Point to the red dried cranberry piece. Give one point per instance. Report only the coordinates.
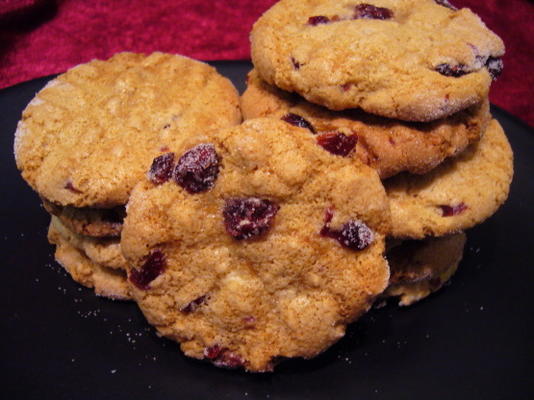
(299, 121)
(194, 305)
(494, 66)
(245, 218)
(70, 186)
(222, 357)
(318, 19)
(198, 168)
(368, 11)
(296, 64)
(249, 321)
(445, 3)
(161, 169)
(449, 211)
(337, 143)
(153, 266)
(452, 70)
(213, 352)
(354, 235)
(229, 360)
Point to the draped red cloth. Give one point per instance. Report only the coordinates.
(42, 37)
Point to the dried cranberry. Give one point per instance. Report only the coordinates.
(337, 143)
(198, 168)
(222, 357)
(494, 66)
(452, 70)
(299, 121)
(70, 186)
(245, 218)
(445, 3)
(228, 360)
(368, 11)
(213, 352)
(249, 321)
(161, 169)
(318, 19)
(153, 266)
(449, 211)
(194, 305)
(354, 235)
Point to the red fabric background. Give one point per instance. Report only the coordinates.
(41, 37)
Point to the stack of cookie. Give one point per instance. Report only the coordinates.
(402, 86)
(85, 141)
(367, 129)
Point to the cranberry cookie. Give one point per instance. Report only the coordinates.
(415, 60)
(254, 243)
(458, 194)
(389, 146)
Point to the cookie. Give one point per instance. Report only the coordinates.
(389, 146)
(415, 60)
(421, 267)
(87, 221)
(458, 194)
(103, 251)
(255, 243)
(88, 137)
(106, 282)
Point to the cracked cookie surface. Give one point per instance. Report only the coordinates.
(280, 249)
(417, 61)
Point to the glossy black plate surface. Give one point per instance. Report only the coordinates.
(472, 340)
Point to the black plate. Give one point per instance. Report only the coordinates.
(472, 340)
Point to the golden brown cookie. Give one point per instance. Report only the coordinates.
(254, 243)
(421, 267)
(389, 146)
(107, 282)
(88, 137)
(415, 60)
(458, 194)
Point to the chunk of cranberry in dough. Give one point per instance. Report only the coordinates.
(153, 266)
(354, 235)
(368, 11)
(297, 120)
(449, 211)
(451, 70)
(161, 169)
(317, 20)
(245, 218)
(194, 305)
(337, 143)
(198, 168)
